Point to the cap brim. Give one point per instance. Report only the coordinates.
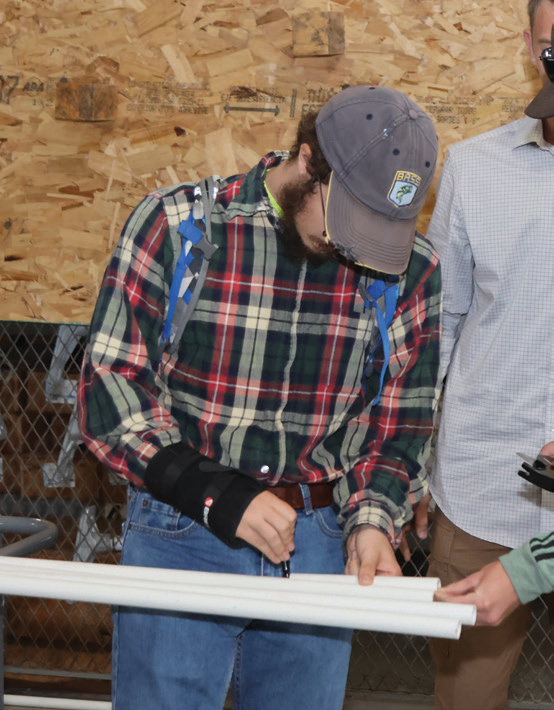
(542, 106)
(366, 237)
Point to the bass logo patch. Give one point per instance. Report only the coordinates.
(404, 188)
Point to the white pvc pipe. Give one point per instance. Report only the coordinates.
(381, 581)
(282, 591)
(334, 584)
(200, 603)
(29, 701)
(113, 586)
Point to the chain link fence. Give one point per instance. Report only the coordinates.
(46, 472)
(401, 664)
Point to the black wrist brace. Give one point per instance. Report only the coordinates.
(215, 496)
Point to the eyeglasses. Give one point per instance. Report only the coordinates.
(322, 205)
(548, 60)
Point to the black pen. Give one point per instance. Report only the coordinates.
(285, 569)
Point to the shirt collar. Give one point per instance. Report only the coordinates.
(529, 131)
(252, 196)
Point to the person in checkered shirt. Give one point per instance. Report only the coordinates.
(288, 427)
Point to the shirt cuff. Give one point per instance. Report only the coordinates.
(525, 574)
(371, 513)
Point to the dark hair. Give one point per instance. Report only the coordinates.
(532, 7)
(306, 133)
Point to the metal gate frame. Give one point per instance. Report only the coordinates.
(40, 534)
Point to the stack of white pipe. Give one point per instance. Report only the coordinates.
(392, 604)
(37, 701)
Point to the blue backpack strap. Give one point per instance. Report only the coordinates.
(384, 318)
(192, 265)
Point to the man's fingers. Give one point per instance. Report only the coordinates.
(370, 553)
(422, 528)
(266, 540)
(352, 563)
(419, 524)
(367, 570)
(421, 518)
(548, 449)
(490, 589)
(404, 549)
(268, 524)
(447, 594)
(460, 588)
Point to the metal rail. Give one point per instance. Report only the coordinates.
(41, 534)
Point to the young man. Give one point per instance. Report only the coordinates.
(527, 572)
(492, 228)
(289, 423)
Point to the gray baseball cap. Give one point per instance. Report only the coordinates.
(382, 150)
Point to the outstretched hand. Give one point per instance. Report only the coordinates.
(490, 589)
(370, 553)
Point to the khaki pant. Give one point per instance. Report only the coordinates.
(472, 673)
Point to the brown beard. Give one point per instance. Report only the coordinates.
(292, 200)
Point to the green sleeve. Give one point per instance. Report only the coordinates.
(531, 567)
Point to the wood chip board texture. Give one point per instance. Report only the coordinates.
(207, 87)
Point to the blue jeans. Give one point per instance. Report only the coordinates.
(174, 661)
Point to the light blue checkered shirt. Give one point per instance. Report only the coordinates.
(493, 228)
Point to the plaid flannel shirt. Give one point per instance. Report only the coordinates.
(268, 374)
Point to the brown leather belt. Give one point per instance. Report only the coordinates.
(320, 493)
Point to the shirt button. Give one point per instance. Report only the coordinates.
(264, 469)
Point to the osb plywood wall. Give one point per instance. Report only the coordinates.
(102, 101)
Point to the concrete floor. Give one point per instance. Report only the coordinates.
(383, 701)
